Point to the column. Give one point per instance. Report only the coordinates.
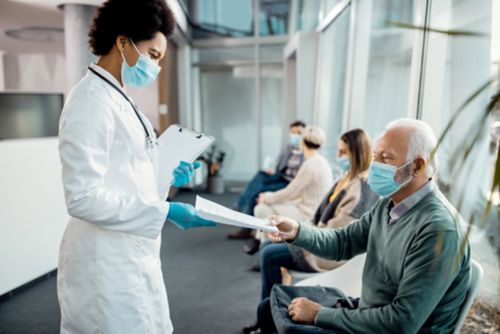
(77, 20)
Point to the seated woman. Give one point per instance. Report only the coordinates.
(289, 162)
(303, 194)
(348, 200)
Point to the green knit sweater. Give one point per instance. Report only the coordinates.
(414, 279)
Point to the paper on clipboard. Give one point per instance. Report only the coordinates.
(217, 213)
(174, 145)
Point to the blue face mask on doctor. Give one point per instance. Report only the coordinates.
(381, 177)
(142, 73)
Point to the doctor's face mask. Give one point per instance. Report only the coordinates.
(142, 73)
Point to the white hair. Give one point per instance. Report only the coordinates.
(422, 142)
(314, 134)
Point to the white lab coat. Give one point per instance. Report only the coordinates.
(109, 277)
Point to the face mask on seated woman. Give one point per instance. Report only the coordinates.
(344, 163)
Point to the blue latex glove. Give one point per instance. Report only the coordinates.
(184, 172)
(184, 216)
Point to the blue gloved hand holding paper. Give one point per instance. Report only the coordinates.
(185, 217)
(184, 172)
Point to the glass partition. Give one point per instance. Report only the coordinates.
(273, 17)
(224, 54)
(456, 66)
(382, 65)
(228, 114)
(271, 109)
(330, 87)
(222, 18)
(308, 12)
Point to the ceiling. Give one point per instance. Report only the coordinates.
(18, 14)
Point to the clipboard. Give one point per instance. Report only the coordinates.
(176, 144)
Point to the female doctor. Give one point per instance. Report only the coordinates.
(110, 278)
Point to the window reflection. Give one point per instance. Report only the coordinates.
(273, 17)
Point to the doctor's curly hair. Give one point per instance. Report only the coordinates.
(139, 20)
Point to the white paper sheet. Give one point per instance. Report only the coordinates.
(220, 214)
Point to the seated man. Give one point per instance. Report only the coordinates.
(417, 270)
(289, 162)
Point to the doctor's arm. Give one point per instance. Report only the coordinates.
(85, 138)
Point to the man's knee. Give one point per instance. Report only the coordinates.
(260, 177)
(265, 256)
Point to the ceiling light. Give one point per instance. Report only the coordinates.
(37, 34)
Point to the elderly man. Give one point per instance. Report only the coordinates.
(416, 273)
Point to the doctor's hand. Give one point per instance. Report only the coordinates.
(184, 172)
(184, 216)
(288, 228)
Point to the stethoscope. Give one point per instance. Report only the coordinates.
(149, 139)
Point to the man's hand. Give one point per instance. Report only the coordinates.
(303, 310)
(288, 228)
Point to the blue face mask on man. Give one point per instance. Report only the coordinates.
(143, 73)
(344, 163)
(295, 139)
(381, 178)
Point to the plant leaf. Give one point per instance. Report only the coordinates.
(448, 32)
(453, 119)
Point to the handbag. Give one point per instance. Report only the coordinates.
(282, 296)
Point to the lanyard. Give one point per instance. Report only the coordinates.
(149, 138)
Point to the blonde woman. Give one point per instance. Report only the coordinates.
(303, 194)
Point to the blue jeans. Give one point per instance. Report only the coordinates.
(261, 182)
(265, 317)
(272, 257)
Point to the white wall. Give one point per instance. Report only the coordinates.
(32, 211)
(35, 72)
(148, 101)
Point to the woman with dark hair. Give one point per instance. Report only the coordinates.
(109, 277)
(349, 198)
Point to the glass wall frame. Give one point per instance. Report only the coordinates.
(437, 73)
(259, 59)
(453, 69)
(331, 76)
(384, 64)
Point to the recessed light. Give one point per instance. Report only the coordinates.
(37, 34)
